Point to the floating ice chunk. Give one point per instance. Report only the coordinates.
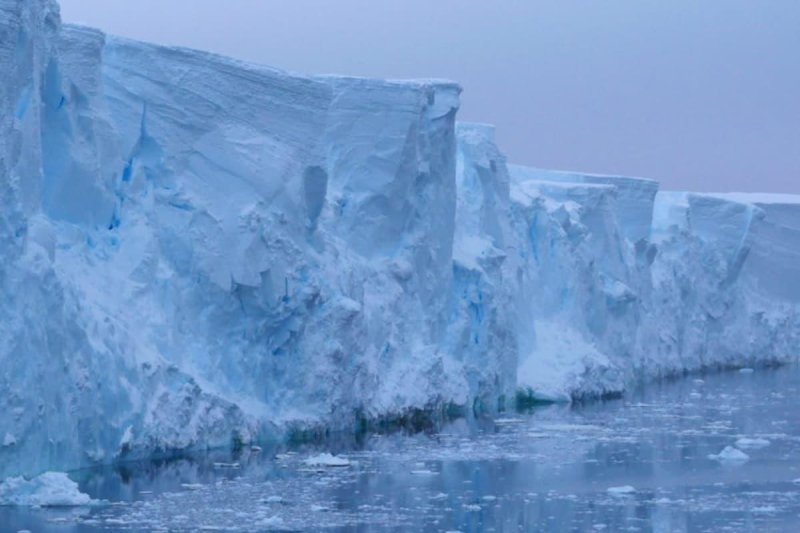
(623, 490)
(232, 466)
(326, 459)
(52, 489)
(9, 440)
(730, 455)
(746, 443)
(746, 371)
(509, 421)
(765, 509)
(272, 521)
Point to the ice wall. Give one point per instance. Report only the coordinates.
(707, 287)
(200, 252)
(204, 253)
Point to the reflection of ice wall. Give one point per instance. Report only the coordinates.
(202, 252)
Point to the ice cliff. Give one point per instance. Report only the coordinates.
(199, 252)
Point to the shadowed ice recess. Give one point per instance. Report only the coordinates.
(200, 253)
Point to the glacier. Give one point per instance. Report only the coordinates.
(200, 253)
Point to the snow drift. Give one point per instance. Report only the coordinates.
(199, 252)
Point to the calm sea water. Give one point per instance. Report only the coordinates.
(643, 463)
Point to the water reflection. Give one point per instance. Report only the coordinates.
(648, 462)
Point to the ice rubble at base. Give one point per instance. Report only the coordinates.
(199, 252)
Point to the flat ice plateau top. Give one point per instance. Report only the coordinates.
(199, 252)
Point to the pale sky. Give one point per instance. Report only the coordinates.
(699, 94)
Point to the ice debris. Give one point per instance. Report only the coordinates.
(623, 490)
(51, 489)
(327, 460)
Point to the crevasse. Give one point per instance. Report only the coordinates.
(200, 252)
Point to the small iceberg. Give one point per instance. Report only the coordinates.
(746, 443)
(227, 466)
(730, 455)
(52, 489)
(624, 490)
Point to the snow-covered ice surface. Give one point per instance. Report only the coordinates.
(638, 464)
(200, 253)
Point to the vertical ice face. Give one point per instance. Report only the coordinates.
(772, 244)
(709, 292)
(79, 157)
(228, 248)
(200, 252)
(27, 31)
(705, 286)
(484, 317)
(390, 150)
(579, 289)
(75, 380)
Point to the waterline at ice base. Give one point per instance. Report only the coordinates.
(200, 253)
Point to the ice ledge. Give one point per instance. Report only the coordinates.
(191, 55)
(760, 198)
